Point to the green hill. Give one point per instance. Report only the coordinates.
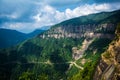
(9, 38)
(98, 18)
(63, 52)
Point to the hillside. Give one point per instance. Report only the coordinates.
(104, 22)
(9, 38)
(35, 32)
(69, 50)
(109, 66)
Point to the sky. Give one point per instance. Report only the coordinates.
(28, 15)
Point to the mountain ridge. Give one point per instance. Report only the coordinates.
(60, 44)
(91, 16)
(9, 38)
(104, 22)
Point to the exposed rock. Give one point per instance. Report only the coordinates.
(88, 30)
(83, 61)
(78, 53)
(109, 65)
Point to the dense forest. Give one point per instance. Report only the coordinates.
(51, 58)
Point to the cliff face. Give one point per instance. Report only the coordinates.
(109, 65)
(88, 30)
(45, 57)
(101, 25)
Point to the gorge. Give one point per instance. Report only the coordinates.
(82, 48)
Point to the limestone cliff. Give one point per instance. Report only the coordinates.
(87, 30)
(109, 65)
(100, 25)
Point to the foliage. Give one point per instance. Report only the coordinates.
(103, 17)
(118, 31)
(47, 59)
(28, 53)
(92, 59)
(98, 46)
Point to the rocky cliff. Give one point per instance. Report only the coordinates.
(69, 50)
(88, 30)
(93, 25)
(109, 65)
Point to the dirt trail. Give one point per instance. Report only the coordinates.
(76, 65)
(47, 62)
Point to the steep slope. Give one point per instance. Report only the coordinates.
(109, 66)
(61, 52)
(99, 18)
(89, 25)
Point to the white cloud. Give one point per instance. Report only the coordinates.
(11, 16)
(20, 26)
(86, 9)
(48, 15)
(60, 16)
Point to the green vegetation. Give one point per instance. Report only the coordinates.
(72, 71)
(49, 58)
(58, 52)
(86, 73)
(118, 31)
(9, 38)
(103, 17)
(92, 58)
(32, 57)
(97, 47)
(107, 55)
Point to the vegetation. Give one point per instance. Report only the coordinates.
(57, 54)
(92, 59)
(32, 57)
(49, 58)
(99, 18)
(118, 30)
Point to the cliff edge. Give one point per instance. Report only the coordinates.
(109, 65)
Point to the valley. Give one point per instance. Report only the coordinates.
(75, 49)
(10, 38)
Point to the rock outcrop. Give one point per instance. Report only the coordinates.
(109, 65)
(78, 53)
(88, 30)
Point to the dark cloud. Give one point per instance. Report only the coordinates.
(16, 11)
(106, 1)
(19, 14)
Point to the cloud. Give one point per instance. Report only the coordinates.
(86, 9)
(27, 15)
(17, 10)
(20, 26)
(47, 15)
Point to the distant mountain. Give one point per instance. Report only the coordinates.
(45, 27)
(35, 32)
(70, 50)
(10, 38)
